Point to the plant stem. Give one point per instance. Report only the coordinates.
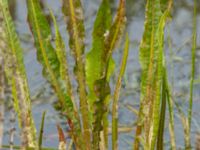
(2, 86)
(160, 139)
(194, 34)
(116, 96)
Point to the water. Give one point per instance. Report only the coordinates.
(178, 60)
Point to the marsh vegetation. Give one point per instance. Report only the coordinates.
(105, 89)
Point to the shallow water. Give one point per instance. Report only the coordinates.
(178, 60)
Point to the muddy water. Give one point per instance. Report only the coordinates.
(178, 57)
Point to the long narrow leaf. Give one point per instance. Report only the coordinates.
(94, 60)
(41, 130)
(116, 96)
(150, 63)
(160, 139)
(171, 117)
(73, 11)
(194, 45)
(3, 47)
(102, 85)
(15, 72)
(47, 56)
(60, 51)
(151, 59)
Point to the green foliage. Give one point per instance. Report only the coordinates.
(61, 54)
(73, 10)
(160, 139)
(116, 96)
(41, 131)
(151, 59)
(94, 59)
(194, 46)
(16, 75)
(52, 60)
(88, 122)
(2, 77)
(187, 125)
(99, 84)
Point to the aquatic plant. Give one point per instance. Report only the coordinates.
(88, 123)
(2, 78)
(16, 75)
(153, 84)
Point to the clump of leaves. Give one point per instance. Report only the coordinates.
(92, 121)
(93, 71)
(153, 81)
(88, 122)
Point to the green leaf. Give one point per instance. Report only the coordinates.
(193, 70)
(52, 68)
(41, 130)
(160, 139)
(74, 13)
(61, 54)
(101, 86)
(115, 31)
(115, 105)
(171, 115)
(94, 60)
(151, 59)
(15, 72)
(3, 47)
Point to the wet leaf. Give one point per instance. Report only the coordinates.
(94, 59)
(74, 15)
(16, 75)
(51, 60)
(105, 41)
(151, 60)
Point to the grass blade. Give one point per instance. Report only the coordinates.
(116, 96)
(102, 85)
(3, 47)
(15, 72)
(48, 57)
(94, 59)
(151, 59)
(149, 88)
(73, 10)
(2, 86)
(160, 139)
(170, 97)
(41, 130)
(194, 45)
(171, 117)
(60, 51)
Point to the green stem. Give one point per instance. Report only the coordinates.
(116, 96)
(194, 34)
(160, 139)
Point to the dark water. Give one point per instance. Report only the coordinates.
(178, 59)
